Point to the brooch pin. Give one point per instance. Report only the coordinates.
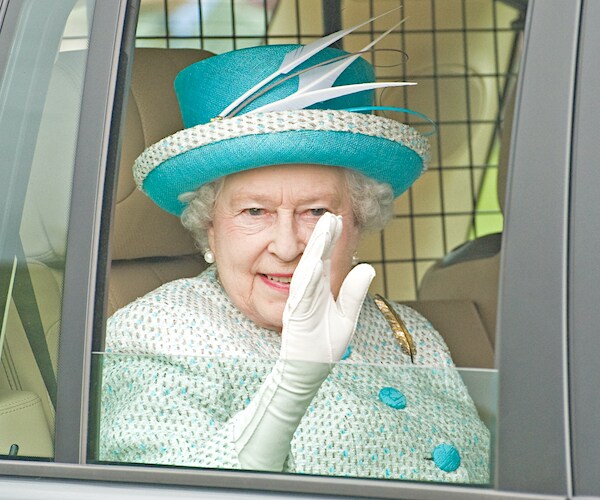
(399, 329)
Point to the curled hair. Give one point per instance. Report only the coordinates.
(198, 215)
(372, 201)
(372, 205)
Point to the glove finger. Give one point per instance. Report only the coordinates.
(317, 245)
(303, 304)
(310, 272)
(304, 272)
(335, 231)
(353, 291)
(320, 239)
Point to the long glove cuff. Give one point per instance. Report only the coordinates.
(264, 430)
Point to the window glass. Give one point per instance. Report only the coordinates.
(374, 420)
(172, 397)
(40, 91)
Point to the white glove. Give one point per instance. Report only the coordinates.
(316, 331)
(315, 326)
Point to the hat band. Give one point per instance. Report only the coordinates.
(274, 122)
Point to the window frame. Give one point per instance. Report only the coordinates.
(534, 419)
(584, 275)
(537, 322)
(95, 157)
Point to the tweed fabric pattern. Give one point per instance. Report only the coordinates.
(182, 361)
(274, 122)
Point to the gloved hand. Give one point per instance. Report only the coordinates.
(316, 327)
(316, 332)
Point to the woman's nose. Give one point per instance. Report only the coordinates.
(287, 242)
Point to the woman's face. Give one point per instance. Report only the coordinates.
(262, 222)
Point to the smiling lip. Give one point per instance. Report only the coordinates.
(279, 282)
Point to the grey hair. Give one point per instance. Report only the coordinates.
(198, 214)
(372, 205)
(372, 201)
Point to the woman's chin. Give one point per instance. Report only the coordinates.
(273, 315)
(266, 314)
(272, 321)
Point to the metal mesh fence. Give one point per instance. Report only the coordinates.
(463, 54)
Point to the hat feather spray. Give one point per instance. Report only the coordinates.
(315, 83)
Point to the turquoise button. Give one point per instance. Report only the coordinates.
(347, 353)
(446, 457)
(393, 398)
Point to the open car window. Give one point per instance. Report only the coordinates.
(439, 255)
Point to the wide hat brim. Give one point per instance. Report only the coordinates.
(378, 147)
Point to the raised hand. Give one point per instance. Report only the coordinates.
(316, 326)
(316, 331)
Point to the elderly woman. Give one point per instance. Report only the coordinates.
(275, 358)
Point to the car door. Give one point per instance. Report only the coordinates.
(62, 101)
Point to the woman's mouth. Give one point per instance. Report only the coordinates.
(279, 282)
(279, 279)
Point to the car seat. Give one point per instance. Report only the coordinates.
(466, 281)
(149, 246)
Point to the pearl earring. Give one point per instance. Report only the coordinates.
(355, 259)
(209, 257)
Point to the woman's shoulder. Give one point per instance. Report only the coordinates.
(170, 295)
(168, 308)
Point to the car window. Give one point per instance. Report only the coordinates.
(439, 255)
(41, 89)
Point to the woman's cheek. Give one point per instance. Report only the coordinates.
(249, 224)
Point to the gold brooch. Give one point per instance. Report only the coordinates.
(398, 327)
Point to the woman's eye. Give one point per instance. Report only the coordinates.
(255, 211)
(317, 212)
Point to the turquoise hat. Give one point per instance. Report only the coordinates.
(328, 133)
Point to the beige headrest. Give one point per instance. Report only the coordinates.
(141, 229)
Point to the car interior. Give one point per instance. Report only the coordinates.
(27, 380)
(149, 247)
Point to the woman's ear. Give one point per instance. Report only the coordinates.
(209, 255)
(210, 233)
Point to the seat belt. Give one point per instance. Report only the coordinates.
(7, 277)
(23, 295)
